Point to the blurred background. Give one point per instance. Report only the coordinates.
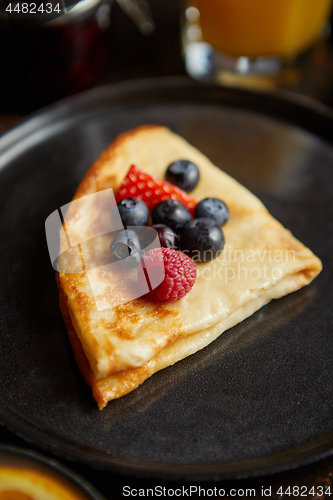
(105, 42)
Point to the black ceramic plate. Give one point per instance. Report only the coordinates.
(22, 459)
(260, 398)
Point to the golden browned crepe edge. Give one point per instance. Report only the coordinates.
(90, 182)
(119, 384)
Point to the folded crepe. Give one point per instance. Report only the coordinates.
(121, 344)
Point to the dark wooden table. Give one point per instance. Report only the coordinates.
(131, 56)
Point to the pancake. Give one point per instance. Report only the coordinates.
(119, 339)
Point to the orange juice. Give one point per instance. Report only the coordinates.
(252, 28)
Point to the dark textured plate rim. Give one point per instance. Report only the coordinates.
(312, 117)
(49, 463)
(292, 458)
(306, 111)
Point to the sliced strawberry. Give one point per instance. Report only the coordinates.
(146, 187)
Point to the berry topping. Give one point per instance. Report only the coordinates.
(151, 190)
(168, 238)
(126, 247)
(214, 209)
(202, 240)
(133, 212)
(184, 174)
(172, 213)
(180, 273)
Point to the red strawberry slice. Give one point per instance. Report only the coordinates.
(146, 187)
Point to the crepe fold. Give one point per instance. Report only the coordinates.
(119, 346)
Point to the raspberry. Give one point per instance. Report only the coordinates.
(180, 273)
(138, 184)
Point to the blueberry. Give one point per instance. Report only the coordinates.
(133, 212)
(202, 240)
(126, 247)
(172, 213)
(214, 209)
(168, 238)
(184, 174)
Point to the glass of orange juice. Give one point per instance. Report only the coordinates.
(250, 41)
